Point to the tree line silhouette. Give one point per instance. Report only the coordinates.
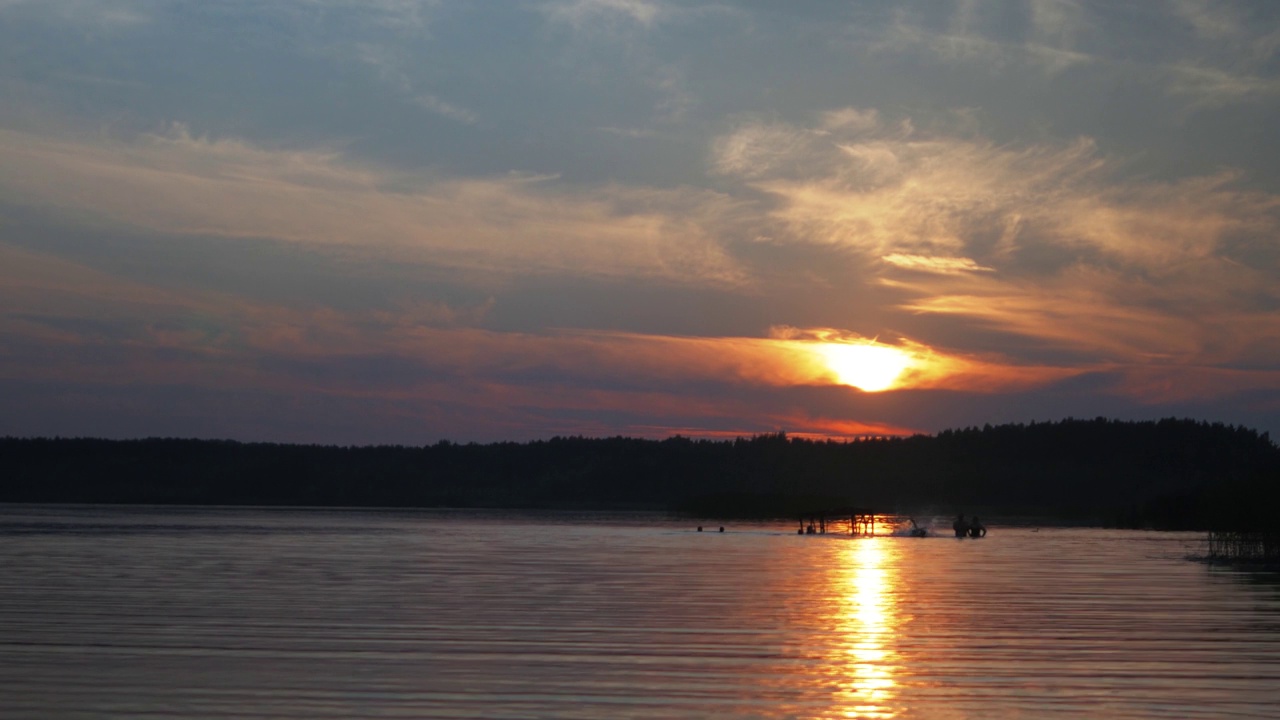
(1168, 474)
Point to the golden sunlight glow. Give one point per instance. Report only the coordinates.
(867, 366)
(868, 619)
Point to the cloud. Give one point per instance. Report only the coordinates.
(583, 14)
(616, 40)
(628, 132)
(895, 195)
(991, 246)
(756, 149)
(851, 119)
(1073, 312)
(1039, 242)
(1225, 59)
(182, 184)
(111, 15)
(1235, 27)
(1210, 86)
(447, 109)
(924, 367)
(395, 69)
(68, 325)
(970, 36)
(1048, 242)
(935, 264)
(1157, 385)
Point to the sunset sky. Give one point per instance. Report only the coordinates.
(400, 221)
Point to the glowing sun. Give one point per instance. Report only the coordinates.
(868, 367)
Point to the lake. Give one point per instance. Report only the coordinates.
(253, 613)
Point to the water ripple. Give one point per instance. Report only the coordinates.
(188, 613)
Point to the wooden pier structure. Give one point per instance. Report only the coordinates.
(1249, 547)
(861, 521)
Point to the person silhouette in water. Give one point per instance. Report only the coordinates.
(977, 529)
(960, 526)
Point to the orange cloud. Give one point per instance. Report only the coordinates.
(935, 264)
(423, 360)
(1046, 243)
(221, 339)
(1138, 275)
(1155, 384)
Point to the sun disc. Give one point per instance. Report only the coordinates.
(866, 366)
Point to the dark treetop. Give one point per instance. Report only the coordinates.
(1170, 473)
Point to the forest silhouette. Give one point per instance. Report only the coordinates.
(1174, 474)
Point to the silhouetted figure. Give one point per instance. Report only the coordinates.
(960, 526)
(699, 528)
(977, 529)
(721, 528)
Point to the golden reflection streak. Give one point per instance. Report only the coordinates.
(868, 621)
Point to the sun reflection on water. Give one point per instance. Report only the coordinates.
(866, 621)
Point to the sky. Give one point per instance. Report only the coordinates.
(402, 221)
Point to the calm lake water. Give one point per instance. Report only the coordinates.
(204, 613)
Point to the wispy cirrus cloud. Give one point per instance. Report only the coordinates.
(901, 191)
(179, 183)
(1050, 242)
(627, 34)
(394, 67)
(969, 48)
(1239, 29)
(935, 264)
(1222, 60)
(1212, 86)
(582, 14)
(110, 15)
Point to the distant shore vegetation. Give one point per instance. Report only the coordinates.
(1166, 474)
